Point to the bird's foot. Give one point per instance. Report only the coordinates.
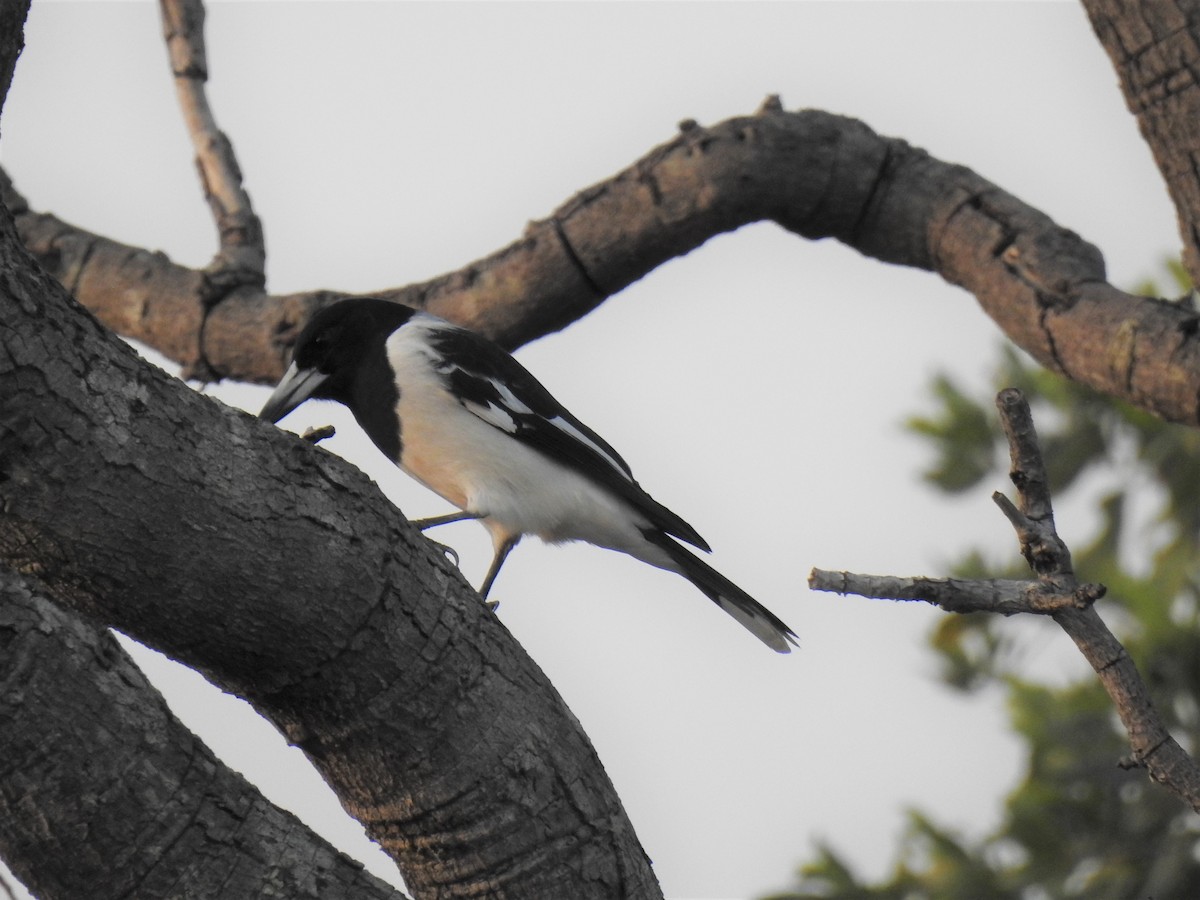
(449, 551)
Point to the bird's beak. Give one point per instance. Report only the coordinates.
(296, 386)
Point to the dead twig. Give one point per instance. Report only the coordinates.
(1055, 592)
(241, 259)
(319, 433)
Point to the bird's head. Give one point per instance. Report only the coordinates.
(334, 353)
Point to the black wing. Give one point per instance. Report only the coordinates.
(499, 390)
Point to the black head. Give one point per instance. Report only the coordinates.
(338, 356)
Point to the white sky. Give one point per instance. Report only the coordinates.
(756, 386)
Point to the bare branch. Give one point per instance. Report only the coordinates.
(241, 259)
(316, 435)
(1041, 546)
(997, 595)
(1055, 592)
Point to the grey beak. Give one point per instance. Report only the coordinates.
(296, 386)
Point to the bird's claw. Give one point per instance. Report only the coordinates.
(449, 551)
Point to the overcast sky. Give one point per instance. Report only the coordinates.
(756, 386)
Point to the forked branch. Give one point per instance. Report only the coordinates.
(1054, 591)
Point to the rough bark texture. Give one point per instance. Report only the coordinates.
(12, 41)
(129, 796)
(816, 174)
(283, 574)
(1155, 49)
(286, 577)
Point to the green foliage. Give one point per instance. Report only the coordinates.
(962, 434)
(1079, 824)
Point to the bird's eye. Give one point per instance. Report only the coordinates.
(327, 337)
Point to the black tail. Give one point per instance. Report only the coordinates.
(753, 616)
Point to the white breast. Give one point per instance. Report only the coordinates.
(480, 468)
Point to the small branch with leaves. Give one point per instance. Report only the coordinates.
(1054, 591)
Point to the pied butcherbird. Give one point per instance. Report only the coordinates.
(460, 415)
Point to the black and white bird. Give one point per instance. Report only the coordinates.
(460, 415)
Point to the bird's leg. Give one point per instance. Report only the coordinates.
(502, 550)
(434, 521)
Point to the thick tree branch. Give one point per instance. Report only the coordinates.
(12, 41)
(286, 577)
(162, 815)
(1054, 592)
(1155, 49)
(382, 637)
(814, 173)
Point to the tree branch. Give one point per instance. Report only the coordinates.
(241, 259)
(284, 575)
(996, 595)
(151, 797)
(816, 174)
(1155, 48)
(1055, 592)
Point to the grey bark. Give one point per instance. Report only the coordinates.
(282, 574)
(1155, 50)
(315, 600)
(96, 770)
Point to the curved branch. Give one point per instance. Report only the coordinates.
(1054, 592)
(816, 174)
(150, 796)
(284, 575)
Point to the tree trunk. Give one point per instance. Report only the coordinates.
(282, 573)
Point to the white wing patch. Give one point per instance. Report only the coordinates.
(483, 432)
(496, 416)
(563, 425)
(507, 415)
